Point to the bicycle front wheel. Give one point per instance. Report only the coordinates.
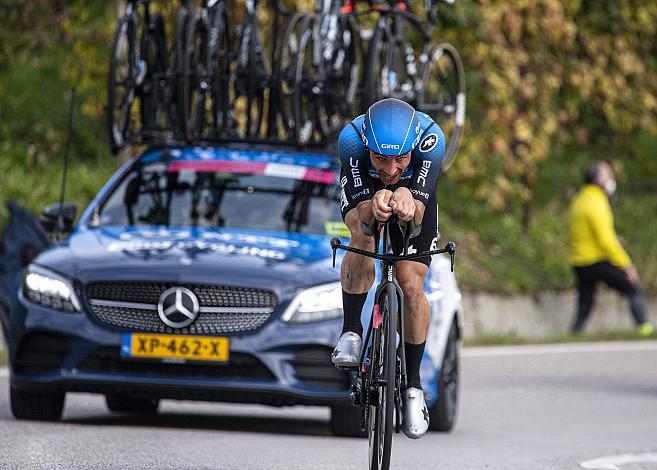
(382, 384)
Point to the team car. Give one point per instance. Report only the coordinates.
(205, 273)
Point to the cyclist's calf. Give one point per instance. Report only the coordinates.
(357, 272)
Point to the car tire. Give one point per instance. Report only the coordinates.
(442, 414)
(39, 406)
(345, 421)
(126, 404)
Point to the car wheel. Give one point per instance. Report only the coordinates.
(345, 421)
(125, 404)
(443, 412)
(41, 406)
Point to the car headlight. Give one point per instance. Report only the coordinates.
(44, 287)
(315, 304)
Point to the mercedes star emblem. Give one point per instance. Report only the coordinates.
(178, 307)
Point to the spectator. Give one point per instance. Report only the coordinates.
(596, 252)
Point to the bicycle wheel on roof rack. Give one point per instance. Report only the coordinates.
(251, 81)
(309, 87)
(443, 96)
(385, 75)
(195, 79)
(286, 72)
(154, 116)
(341, 59)
(122, 84)
(184, 18)
(220, 73)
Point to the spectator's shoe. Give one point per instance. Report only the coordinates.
(416, 414)
(646, 329)
(347, 351)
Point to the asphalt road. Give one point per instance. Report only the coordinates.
(530, 408)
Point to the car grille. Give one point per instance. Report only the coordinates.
(313, 366)
(241, 366)
(223, 309)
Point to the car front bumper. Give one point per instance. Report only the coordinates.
(278, 364)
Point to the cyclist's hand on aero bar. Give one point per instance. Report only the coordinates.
(403, 204)
(381, 205)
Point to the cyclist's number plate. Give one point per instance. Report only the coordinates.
(175, 348)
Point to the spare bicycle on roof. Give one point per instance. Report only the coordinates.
(297, 80)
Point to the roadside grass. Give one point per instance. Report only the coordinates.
(515, 340)
(3, 357)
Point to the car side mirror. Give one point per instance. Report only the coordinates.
(50, 217)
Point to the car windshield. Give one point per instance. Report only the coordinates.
(161, 194)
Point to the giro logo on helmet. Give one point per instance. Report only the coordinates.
(429, 143)
(390, 146)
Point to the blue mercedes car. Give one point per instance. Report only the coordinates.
(205, 273)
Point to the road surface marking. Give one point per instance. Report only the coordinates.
(4, 372)
(487, 351)
(612, 462)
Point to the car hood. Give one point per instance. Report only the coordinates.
(212, 255)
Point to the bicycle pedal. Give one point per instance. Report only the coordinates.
(347, 369)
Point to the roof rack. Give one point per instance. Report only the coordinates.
(330, 148)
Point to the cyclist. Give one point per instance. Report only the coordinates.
(390, 158)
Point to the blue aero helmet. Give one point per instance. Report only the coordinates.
(391, 127)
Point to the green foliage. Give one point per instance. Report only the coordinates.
(512, 339)
(551, 85)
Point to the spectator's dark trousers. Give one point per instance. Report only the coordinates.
(615, 278)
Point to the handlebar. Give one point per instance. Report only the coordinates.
(412, 230)
(450, 248)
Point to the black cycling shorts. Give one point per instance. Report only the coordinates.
(427, 238)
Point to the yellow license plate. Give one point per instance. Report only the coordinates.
(175, 348)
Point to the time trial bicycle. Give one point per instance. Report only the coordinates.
(381, 374)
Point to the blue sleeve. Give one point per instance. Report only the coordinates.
(427, 159)
(354, 159)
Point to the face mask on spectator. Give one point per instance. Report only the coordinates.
(610, 187)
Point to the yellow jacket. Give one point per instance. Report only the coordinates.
(591, 226)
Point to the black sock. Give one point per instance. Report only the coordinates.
(352, 305)
(414, 353)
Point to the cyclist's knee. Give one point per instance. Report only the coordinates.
(413, 291)
(362, 241)
(411, 279)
